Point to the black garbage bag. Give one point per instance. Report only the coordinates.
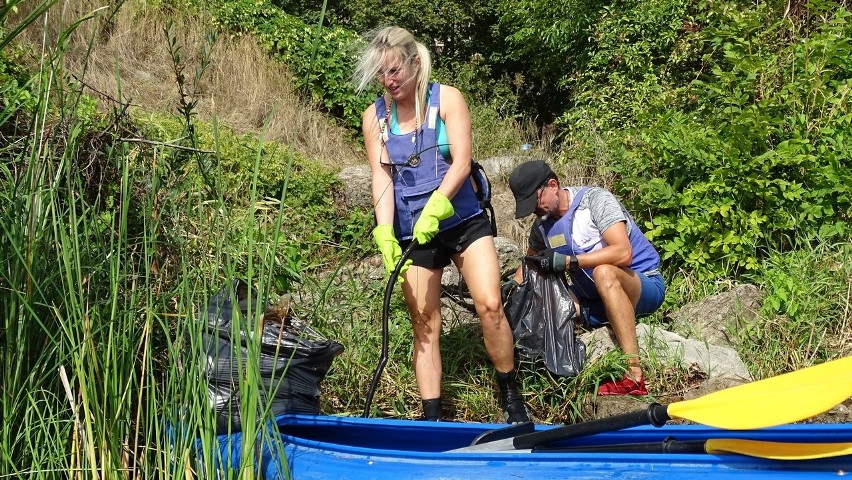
(541, 313)
(294, 359)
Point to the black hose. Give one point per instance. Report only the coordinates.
(383, 359)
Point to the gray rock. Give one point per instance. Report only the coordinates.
(356, 182)
(498, 167)
(714, 360)
(715, 318)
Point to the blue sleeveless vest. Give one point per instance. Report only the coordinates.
(418, 167)
(645, 256)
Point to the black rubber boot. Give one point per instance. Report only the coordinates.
(514, 410)
(432, 410)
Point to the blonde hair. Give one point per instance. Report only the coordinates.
(400, 43)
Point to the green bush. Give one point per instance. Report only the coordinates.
(637, 51)
(759, 159)
(314, 225)
(806, 309)
(17, 98)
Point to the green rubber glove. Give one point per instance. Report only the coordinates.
(437, 208)
(389, 246)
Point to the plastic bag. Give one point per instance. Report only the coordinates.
(541, 313)
(294, 359)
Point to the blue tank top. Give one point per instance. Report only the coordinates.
(440, 130)
(418, 166)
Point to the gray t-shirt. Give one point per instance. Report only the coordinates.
(597, 211)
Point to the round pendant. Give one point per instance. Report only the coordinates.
(413, 160)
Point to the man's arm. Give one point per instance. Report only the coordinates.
(617, 251)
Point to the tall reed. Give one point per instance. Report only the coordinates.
(103, 292)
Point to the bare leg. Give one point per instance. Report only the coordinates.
(422, 291)
(619, 289)
(479, 266)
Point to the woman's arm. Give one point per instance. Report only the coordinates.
(456, 117)
(382, 180)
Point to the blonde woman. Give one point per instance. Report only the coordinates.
(418, 142)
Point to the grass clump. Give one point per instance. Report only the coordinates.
(806, 312)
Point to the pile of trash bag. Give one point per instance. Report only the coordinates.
(294, 358)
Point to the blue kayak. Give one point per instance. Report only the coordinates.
(308, 447)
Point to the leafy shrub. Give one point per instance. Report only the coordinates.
(313, 223)
(806, 309)
(637, 51)
(17, 97)
(760, 159)
(492, 106)
(548, 41)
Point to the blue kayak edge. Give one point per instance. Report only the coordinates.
(323, 447)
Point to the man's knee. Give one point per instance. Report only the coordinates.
(606, 277)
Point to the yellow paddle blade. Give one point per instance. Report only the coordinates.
(777, 450)
(774, 401)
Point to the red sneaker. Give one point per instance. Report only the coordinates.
(625, 386)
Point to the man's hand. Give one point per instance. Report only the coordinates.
(437, 208)
(551, 261)
(389, 246)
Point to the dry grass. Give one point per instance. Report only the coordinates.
(243, 89)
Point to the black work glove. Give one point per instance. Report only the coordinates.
(507, 288)
(551, 261)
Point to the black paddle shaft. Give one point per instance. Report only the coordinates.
(656, 415)
(669, 445)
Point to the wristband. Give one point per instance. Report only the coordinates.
(573, 264)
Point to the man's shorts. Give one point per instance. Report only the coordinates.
(653, 293)
(438, 252)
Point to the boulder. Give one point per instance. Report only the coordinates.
(356, 182)
(714, 319)
(713, 360)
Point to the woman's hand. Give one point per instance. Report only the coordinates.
(390, 249)
(437, 208)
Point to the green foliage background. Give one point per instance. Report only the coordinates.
(752, 155)
(723, 124)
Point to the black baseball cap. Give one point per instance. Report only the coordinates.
(524, 182)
